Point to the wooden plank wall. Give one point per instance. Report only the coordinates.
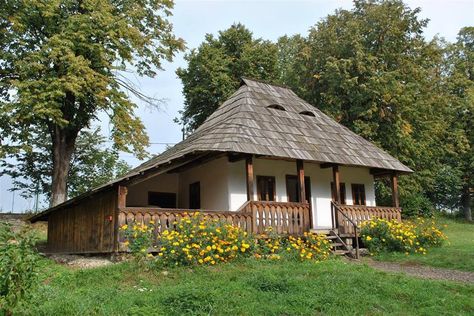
(86, 227)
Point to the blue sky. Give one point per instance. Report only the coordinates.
(266, 19)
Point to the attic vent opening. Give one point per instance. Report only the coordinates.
(309, 113)
(276, 107)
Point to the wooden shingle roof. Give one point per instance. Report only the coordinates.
(252, 121)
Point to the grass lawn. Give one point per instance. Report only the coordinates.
(456, 253)
(247, 287)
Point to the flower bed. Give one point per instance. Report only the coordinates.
(308, 247)
(198, 240)
(380, 235)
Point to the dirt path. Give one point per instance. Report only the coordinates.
(421, 271)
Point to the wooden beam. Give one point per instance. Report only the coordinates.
(249, 177)
(122, 196)
(196, 162)
(327, 165)
(234, 157)
(337, 185)
(379, 173)
(300, 174)
(394, 185)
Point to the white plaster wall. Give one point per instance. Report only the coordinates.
(320, 185)
(321, 189)
(213, 178)
(138, 193)
(237, 184)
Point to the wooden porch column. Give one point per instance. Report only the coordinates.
(122, 196)
(300, 174)
(249, 176)
(394, 185)
(336, 181)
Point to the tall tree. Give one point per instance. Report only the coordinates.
(92, 165)
(215, 68)
(372, 70)
(460, 84)
(61, 65)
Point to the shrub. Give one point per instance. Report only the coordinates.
(309, 247)
(199, 240)
(18, 265)
(380, 235)
(138, 238)
(416, 204)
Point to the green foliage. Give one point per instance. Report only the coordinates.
(380, 235)
(215, 69)
(138, 238)
(367, 68)
(91, 165)
(415, 204)
(459, 66)
(61, 59)
(63, 63)
(18, 265)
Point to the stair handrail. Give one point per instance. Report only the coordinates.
(335, 224)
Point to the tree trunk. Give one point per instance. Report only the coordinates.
(466, 203)
(64, 142)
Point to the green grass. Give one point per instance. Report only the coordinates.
(248, 287)
(456, 253)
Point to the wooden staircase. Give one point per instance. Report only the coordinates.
(339, 246)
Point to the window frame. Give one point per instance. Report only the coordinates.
(358, 189)
(342, 191)
(273, 181)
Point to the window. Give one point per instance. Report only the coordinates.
(292, 188)
(342, 192)
(358, 194)
(162, 199)
(266, 188)
(195, 195)
(276, 107)
(308, 113)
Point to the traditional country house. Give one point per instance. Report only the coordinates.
(264, 158)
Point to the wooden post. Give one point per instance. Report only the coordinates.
(122, 196)
(336, 181)
(121, 203)
(394, 185)
(249, 176)
(300, 174)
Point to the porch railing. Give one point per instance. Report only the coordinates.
(284, 217)
(348, 217)
(252, 217)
